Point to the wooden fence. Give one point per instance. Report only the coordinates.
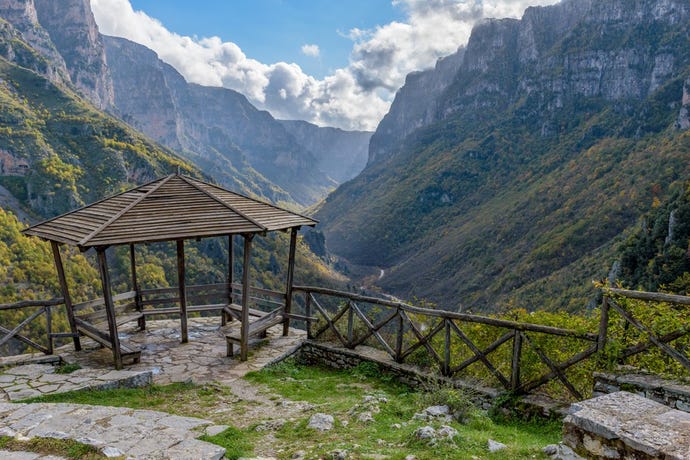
(518, 357)
(36, 309)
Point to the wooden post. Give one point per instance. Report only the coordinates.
(603, 325)
(65, 294)
(290, 278)
(350, 324)
(399, 338)
(517, 351)
(307, 312)
(231, 256)
(49, 328)
(135, 287)
(244, 332)
(109, 306)
(182, 291)
(446, 351)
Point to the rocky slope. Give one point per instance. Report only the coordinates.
(340, 154)
(512, 179)
(74, 33)
(214, 127)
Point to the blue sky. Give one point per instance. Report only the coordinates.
(275, 30)
(330, 62)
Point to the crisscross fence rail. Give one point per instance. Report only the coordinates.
(40, 311)
(663, 330)
(452, 342)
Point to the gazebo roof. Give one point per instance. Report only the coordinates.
(171, 208)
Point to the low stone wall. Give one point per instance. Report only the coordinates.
(624, 425)
(338, 357)
(671, 393)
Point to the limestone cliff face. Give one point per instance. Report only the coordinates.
(340, 154)
(23, 18)
(73, 30)
(551, 57)
(216, 128)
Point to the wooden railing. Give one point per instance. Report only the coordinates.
(649, 339)
(41, 308)
(517, 356)
(449, 340)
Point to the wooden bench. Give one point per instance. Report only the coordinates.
(94, 324)
(126, 351)
(257, 327)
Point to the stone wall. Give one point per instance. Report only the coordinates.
(623, 425)
(671, 393)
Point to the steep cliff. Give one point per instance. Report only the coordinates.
(22, 15)
(512, 179)
(215, 127)
(340, 154)
(74, 33)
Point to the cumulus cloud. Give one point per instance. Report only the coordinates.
(353, 97)
(311, 50)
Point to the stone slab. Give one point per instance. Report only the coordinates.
(625, 425)
(139, 434)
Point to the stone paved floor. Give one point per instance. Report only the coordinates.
(163, 360)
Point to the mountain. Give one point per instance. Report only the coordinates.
(510, 173)
(340, 154)
(215, 127)
(57, 151)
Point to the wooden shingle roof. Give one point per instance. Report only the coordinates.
(174, 207)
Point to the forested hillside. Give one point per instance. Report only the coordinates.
(533, 152)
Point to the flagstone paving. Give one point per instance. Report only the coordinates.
(163, 360)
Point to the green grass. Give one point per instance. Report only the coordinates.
(66, 448)
(391, 433)
(341, 394)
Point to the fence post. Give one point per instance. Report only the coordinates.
(603, 325)
(446, 352)
(49, 328)
(515, 365)
(350, 323)
(399, 338)
(307, 311)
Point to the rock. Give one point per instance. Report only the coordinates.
(216, 429)
(340, 454)
(112, 452)
(495, 446)
(561, 452)
(397, 426)
(321, 422)
(447, 432)
(411, 457)
(437, 411)
(365, 417)
(425, 432)
(298, 455)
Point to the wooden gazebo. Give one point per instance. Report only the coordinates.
(173, 208)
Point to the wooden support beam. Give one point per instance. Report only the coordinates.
(184, 338)
(109, 306)
(515, 364)
(244, 334)
(290, 278)
(135, 287)
(62, 279)
(231, 257)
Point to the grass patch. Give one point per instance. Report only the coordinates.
(235, 441)
(67, 368)
(375, 415)
(186, 399)
(66, 448)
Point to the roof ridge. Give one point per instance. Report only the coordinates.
(222, 202)
(262, 202)
(105, 224)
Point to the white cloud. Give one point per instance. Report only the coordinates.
(354, 97)
(311, 50)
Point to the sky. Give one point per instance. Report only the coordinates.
(330, 62)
